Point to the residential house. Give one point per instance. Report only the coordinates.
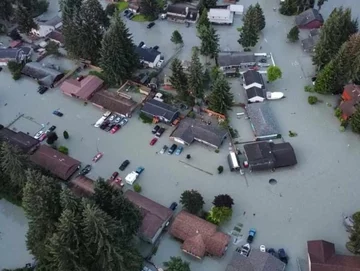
(254, 86)
(148, 56)
(350, 100)
(230, 1)
(309, 19)
(182, 13)
(235, 60)
(199, 236)
(134, 6)
(237, 9)
(46, 27)
(59, 164)
(220, 16)
(56, 36)
(268, 155)
(83, 88)
(322, 257)
(18, 55)
(164, 112)
(114, 102)
(155, 216)
(262, 121)
(309, 43)
(19, 140)
(46, 76)
(190, 130)
(256, 261)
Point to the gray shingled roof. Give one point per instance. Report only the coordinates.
(262, 119)
(52, 22)
(156, 108)
(252, 76)
(190, 129)
(146, 54)
(46, 76)
(235, 58)
(255, 92)
(308, 44)
(14, 54)
(284, 154)
(308, 16)
(256, 261)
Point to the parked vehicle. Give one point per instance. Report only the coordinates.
(107, 113)
(141, 44)
(52, 128)
(131, 15)
(160, 131)
(118, 119)
(100, 121)
(251, 236)
(139, 170)
(115, 129)
(85, 170)
(57, 113)
(124, 121)
(112, 117)
(153, 141)
(163, 150)
(150, 25)
(244, 250)
(114, 175)
(104, 125)
(124, 165)
(274, 95)
(39, 134)
(156, 47)
(109, 127)
(179, 150)
(156, 128)
(349, 223)
(126, 12)
(272, 252)
(42, 89)
(97, 157)
(131, 177)
(173, 206)
(172, 149)
(282, 255)
(262, 248)
(42, 137)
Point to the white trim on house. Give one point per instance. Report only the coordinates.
(155, 62)
(220, 16)
(256, 99)
(257, 85)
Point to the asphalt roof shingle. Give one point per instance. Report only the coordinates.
(160, 109)
(146, 54)
(235, 58)
(255, 92)
(252, 76)
(46, 76)
(308, 16)
(262, 119)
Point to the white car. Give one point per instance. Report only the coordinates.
(100, 121)
(131, 177)
(107, 113)
(112, 117)
(39, 134)
(159, 64)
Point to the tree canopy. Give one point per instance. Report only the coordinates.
(221, 98)
(273, 73)
(259, 17)
(196, 75)
(355, 122)
(218, 215)
(354, 239)
(249, 33)
(24, 19)
(6, 10)
(223, 200)
(150, 9)
(203, 20)
(293, 34)
(192, 201)
(176, 37)
(177, 264)
(209, 41)
(178, 79)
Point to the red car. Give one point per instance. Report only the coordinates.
(42, 137)
(153, 141)
(118, 181)
(114, 175)
(97, 157)
(115, 129)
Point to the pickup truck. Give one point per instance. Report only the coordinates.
(132, 176)
(251, 236)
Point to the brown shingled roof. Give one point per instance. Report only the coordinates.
(83, 89)
(322, 257)
(82, 186)
(353, 91)
(57, 163)
(199, 236)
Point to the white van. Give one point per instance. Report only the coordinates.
(100, 121)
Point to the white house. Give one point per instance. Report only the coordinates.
(253, 78)
(220, 16)
(237, 9)
(46, 27)
(148, 57)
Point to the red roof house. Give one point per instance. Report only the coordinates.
(82, 89)
(200, 236)
(351, 98)
(309, 19)
(322, 257)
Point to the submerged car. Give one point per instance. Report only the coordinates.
(124, 165)
(173, 206)
(85, 170)
(97, 157)
(172, 149)
(282, 255)
(251, 236)
(153, 141)
(244, 250)
(163, 150)
(57, 113)
(179, 150)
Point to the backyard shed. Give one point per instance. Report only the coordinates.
(262, 121)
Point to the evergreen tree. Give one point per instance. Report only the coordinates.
(249, 37)
(259, 17)
(196, 76)
(51, 138)
(176, 37)
(24, 19)
(288, 7)
(335, 31)
(206, 4)
(209, 41)
(178, 79)
(150, 9)
(220, 99)
(203, 20)
(118, 58)
(6, 10)
(192, 201)
(177, 264)
(293, 34)
(327, 79)
(355, 124)
(223, 200)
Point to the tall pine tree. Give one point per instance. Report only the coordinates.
(150, 8)
(288, 7)
(196, 76)
(209, 41)
(6, 10)
(24, 19)
(249, 34)
(259, 17)
(118, 58)
(221, 98)
(178, 79)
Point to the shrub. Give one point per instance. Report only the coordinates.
(66, 135)
(309, 88)
(137, 188)
(337, 112)
(15, 69)
(16, 75)
(191, 114)
(220, 169)
(342, 128)
(312, 99)
(145, 118)
(292, 134)
(343, 122)
(217, 150)
(188, 156)
(63, 150)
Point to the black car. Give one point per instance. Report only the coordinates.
(109, 127)
(150, 25)
(173, 206)
(141, 44)
(130, 15)
(156, 48)
(124, 165)
(282, 256)
(85, 170)
(126, 12)
(156, 128)
(42, 89)
(52, 128)
(160, 131)
(272, 252)
(172, 149)
(104, 125)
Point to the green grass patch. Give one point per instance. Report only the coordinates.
(139, 18)
(122, 5)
